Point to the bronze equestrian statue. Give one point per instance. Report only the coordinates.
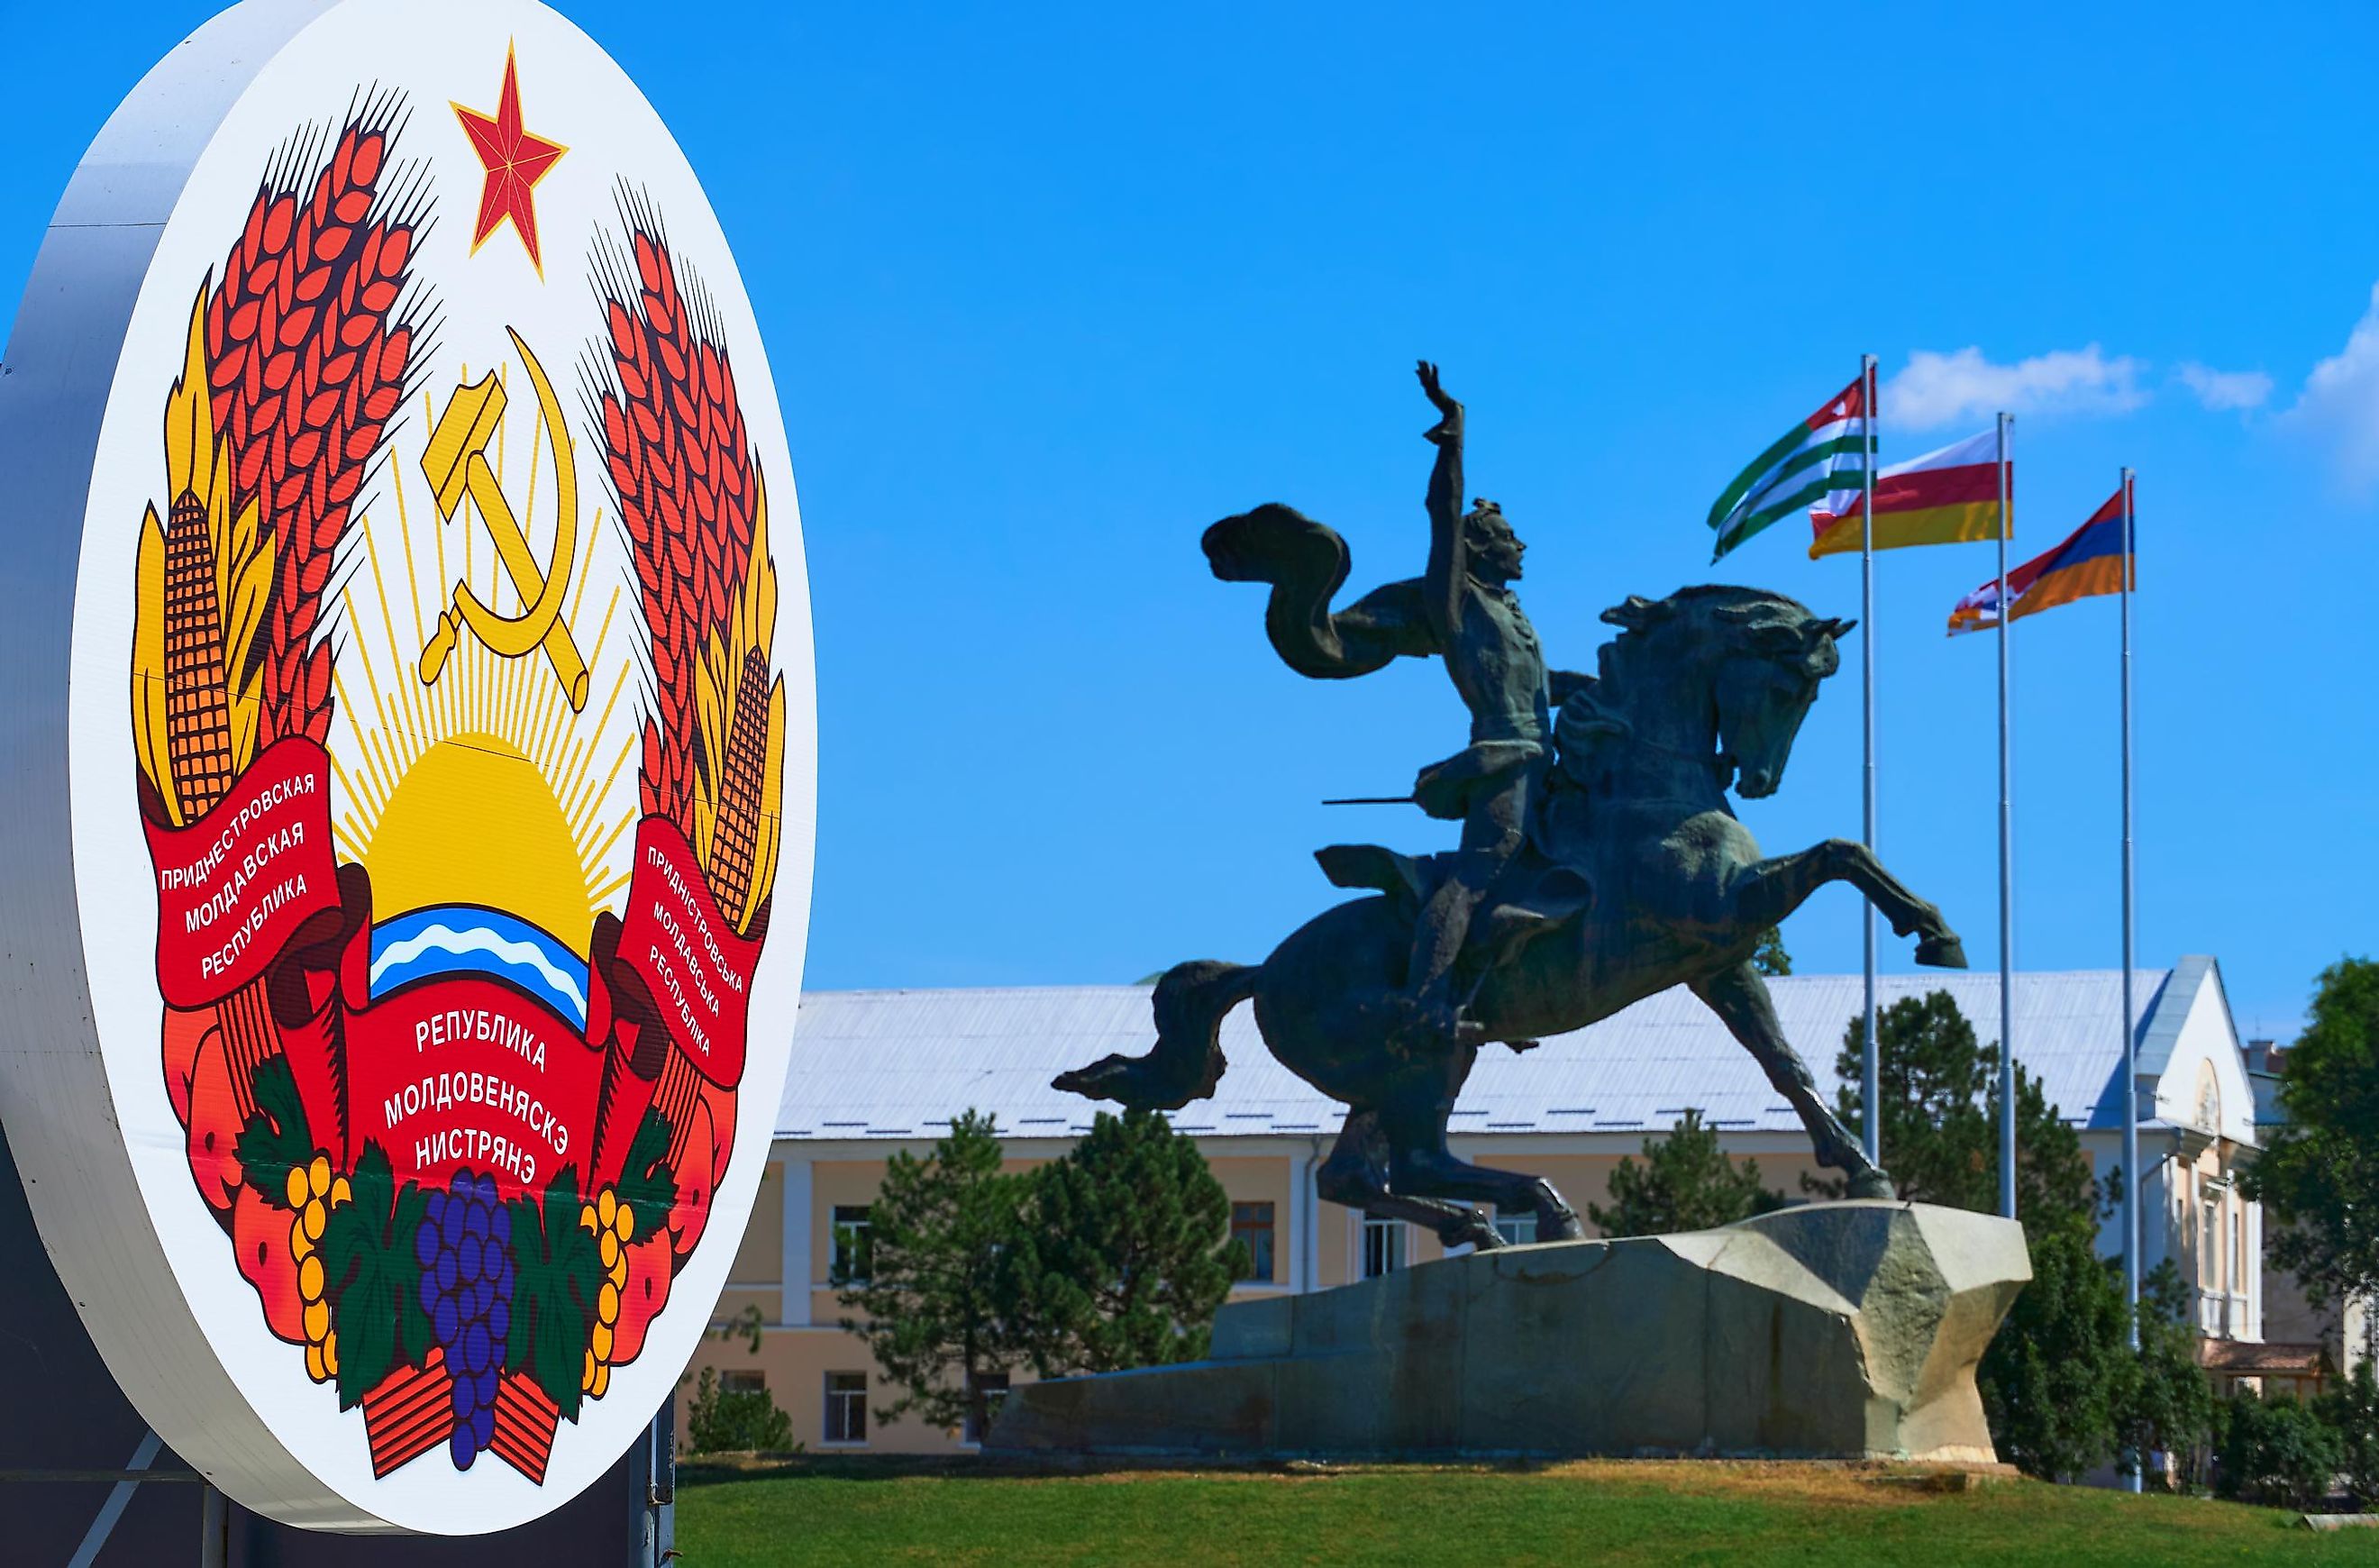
(1599, 862)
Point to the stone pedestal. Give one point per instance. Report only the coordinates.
(1835, 1330)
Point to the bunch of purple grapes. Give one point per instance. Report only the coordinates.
(464, 1247)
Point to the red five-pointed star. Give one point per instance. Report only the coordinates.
(514, 159)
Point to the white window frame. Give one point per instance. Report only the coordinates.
(862, 1234)
(833, 1397)
(1516, 1222)
(995, 1397)
(1393, 1244)
(1272, 1275)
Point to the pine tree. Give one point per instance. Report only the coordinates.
(1126, 1256)
(1940, 1118)
(1770, 958)
(938, 1307)
(1687, 1182)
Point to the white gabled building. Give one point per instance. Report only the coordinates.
(874, 1071)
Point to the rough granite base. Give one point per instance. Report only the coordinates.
(1834, 1331)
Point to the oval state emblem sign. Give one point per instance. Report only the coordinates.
(410, 753)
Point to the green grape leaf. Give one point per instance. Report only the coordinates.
(647, 1184)
(557, 1273)
(276, 1139)
(372, 1279)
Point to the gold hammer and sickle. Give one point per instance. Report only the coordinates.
(455, 463)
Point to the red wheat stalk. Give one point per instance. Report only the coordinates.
(308, 360)
(680, 468)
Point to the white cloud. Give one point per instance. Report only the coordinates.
(1944, 389)
(2221, 390)
(2340, 401)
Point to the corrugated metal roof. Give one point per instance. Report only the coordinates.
(900, 1063)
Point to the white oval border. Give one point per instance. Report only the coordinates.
(147, 1267)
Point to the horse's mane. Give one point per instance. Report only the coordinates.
(1595, 716)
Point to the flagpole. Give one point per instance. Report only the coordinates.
(2007, 859)
(1871, 1060)
(2131, 1097)
(2131, 1044)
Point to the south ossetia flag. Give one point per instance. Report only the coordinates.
(1948, 496)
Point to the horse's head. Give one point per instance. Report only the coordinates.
(1758, 657)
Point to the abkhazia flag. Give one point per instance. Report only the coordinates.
(1943, 498)
(2090, 561)
(1818, 461)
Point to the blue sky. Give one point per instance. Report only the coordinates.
(1048, 289)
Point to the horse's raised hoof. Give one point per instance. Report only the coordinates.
(1941, 952)
(1874, 1184)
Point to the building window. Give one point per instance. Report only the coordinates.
(2209, 1242)
(1383, 1246)
(1517, 1230)
(743, 1380)
(2239, 1249)
(1251, 1228)
(993, 1386)
(854, 1246)
(846, 1407)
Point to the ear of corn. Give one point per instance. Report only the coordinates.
(202, 586)
(736, 798)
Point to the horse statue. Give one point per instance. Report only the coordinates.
(1600, 860)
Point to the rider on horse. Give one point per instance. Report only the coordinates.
(1491, 786)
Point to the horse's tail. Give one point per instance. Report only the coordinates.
(1306, 563)
(1188, 1060)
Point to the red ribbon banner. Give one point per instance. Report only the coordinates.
(235, 885)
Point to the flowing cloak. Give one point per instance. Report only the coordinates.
(1306, 563)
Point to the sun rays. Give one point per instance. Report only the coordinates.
(484, 785)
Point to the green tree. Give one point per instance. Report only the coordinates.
(1770, 958)
(2056, 1370)
(2351, 1409)
(722, 1420)
(2166, 1403)
(2276, 1451)
(1940, 1118)
(2318, 1176)
(1687, 1182)
(1127, 1253)
(938, 1307)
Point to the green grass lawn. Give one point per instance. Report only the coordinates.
(846, 1511)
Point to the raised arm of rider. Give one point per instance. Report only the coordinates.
(1447, 565)
(1563, 684)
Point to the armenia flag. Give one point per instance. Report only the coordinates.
(1946, 497)
(2089, 562)
(1817, 462)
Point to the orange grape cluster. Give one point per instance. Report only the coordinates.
(614, 1225)
(313, 1192)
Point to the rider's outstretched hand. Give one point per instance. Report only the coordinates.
(1449, 424)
